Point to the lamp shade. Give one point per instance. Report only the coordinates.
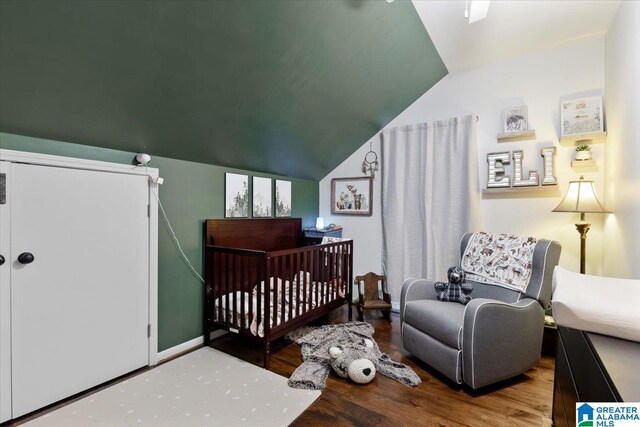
(319, 222)
(581, 197)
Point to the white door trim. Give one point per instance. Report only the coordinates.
(5, 303)
(95, 165)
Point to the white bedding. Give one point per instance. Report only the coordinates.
(306, 303)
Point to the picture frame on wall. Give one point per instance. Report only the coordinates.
(283, 198)
(352, 196)
(581, 116)
(515, 119)
(236, 204)
(262, 198)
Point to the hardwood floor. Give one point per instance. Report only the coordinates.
(523, 401)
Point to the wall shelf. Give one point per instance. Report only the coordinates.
(512, 190)
(584, 165)
(516, 136)
(581, 138)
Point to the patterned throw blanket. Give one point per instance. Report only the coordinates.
(499, 259)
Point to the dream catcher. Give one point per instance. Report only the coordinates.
(370, 162)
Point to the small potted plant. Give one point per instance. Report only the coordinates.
(583, 152)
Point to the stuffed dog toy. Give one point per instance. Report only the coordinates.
(350, 350)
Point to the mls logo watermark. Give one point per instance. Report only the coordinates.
(607, 414)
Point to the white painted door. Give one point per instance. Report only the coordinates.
(79, 310)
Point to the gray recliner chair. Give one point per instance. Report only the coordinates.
(496, 336)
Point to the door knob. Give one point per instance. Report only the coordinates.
(25, 258)
(1, 259)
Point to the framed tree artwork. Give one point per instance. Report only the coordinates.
(236, 195)
(283, 198)
(262, 199)
(352, 196)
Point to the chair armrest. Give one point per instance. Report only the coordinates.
(500, 340)
(416, 289)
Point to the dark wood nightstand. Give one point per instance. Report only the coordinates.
(593, 368)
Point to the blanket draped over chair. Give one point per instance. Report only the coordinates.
(499, 259)
(315, 343)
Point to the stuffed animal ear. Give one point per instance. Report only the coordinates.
(335, 352)
(368, 343)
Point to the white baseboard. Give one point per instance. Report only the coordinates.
(188, 345)
(170, 352)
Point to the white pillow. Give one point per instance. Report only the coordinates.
(602, 305)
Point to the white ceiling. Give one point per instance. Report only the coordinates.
(511, 28)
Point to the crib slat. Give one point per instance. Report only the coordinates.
(334, 276)
(283, 267)
(315, 277)
(225, 286)
(345, 268)
(339, 280)
(234, 279)
(334, 272)
(300, 282)
(220, 286)
(325, 268)
(276, 271)
(327, 277)
(242, 287)
(305, 267)
(258, 298)
(290, 286)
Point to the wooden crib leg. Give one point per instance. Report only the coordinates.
(266, 355)
(350, 311)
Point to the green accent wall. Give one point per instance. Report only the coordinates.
(278, 86)
(191, 193)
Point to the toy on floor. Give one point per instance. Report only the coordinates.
(350, 350)
(354, 361)
(457, 290)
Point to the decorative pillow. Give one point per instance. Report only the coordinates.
(457, 290)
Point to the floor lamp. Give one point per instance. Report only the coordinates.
(581, 197)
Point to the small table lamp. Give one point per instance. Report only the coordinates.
(581, 197)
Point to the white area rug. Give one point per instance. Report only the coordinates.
(203, 388)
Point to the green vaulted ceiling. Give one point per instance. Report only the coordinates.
(286, 87)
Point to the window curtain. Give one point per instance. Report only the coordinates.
(430, 198)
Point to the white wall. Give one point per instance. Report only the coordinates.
(622, 72)
(540, 81)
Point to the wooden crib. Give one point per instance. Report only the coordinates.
(261, 284)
